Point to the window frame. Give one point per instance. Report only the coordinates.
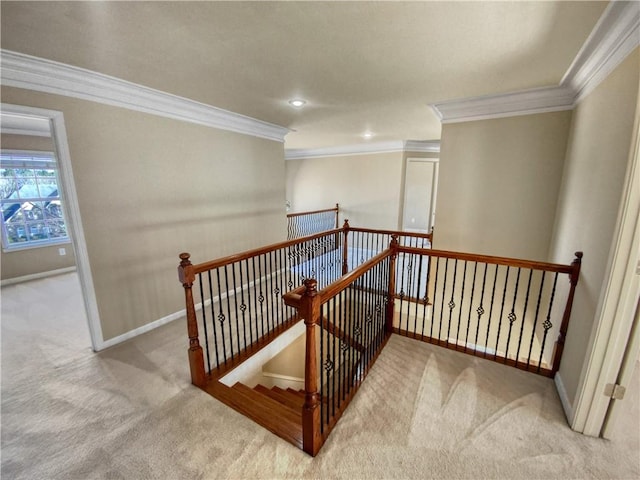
(51, 164)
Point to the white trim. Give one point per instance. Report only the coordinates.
(36, 276)
(282, 377)
(419, 146)
(24, 131)
(42, 75)
(614, 37)
(616, 308)
(72, 210)
(527, 102)
(564, 398)
(147, 327)
(415, 146)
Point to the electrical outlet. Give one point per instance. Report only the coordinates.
(62, 251)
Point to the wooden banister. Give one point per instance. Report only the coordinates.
(573, 278)
(186, 276)
(203, 267)
(512, 262)
(311, 212)
(310, 311)
(394, 232)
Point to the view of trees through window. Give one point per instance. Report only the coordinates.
(31, 209)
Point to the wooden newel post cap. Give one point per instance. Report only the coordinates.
(311, 287)
(578, 257)
(346, 223)
(394, 240)
(184, 259)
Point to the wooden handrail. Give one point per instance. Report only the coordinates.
(511, 262)
(334, 209)
(238, 257)
(394, 232)
(343, 282)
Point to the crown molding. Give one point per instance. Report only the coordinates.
(419, 146)
(33, 73)
(362, 149)
(614, 36)
(527, 102)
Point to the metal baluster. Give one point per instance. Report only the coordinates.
(213, 319)
(452, 304)
(235, 302)
(221, 317)
(204, 322)
(473, 290)
(246, 303)
(504, 295)
(425, 299)
(226, 287)
(524, 315)
(480, 311)
(535, 320)
(417, 297)
(547, 323)
(435, 294)
(444, 287)
(464, 283)
(323, 373)
(512, 317)
(493, 291)
(260, 297)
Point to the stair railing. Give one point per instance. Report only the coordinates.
(236, 301)
(303, 224)
(502, 309)
(347, 325)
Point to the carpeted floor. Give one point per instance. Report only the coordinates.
(130, 413)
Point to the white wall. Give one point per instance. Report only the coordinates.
(367, 187)
(589, 199)
(498, 185)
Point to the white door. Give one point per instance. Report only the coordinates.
(421, 179)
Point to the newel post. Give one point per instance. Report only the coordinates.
(345, 247)
(337, 215)
(391, 294)
(573, 278)
(187, 276)
(310, 311)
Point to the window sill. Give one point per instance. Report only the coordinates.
(50, 243)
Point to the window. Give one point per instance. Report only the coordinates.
(31, 208)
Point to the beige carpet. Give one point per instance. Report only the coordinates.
(130, 413)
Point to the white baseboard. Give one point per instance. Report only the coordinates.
(143, 329)
(36, 276)
(564, 398)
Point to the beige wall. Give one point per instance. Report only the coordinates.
(498, 185)
(593, 179)
(151, 187)
(33, 260)
(366, 186)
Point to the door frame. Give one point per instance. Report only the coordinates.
(618, 304)
(73, 218)
(434, 189)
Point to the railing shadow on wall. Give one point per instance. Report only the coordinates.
(353, 288)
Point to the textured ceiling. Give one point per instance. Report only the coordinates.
(360, 65)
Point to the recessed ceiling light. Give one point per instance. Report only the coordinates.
(367, 134)
(297, 102)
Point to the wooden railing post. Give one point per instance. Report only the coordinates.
(345, 247)
(391, 294)
(337, 215)
(187, 276)
(310, 311)
(559, 347)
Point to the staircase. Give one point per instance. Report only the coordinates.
(276, 409)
